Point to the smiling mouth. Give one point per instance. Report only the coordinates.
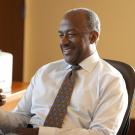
(67, 50)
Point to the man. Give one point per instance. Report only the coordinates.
(99, 98)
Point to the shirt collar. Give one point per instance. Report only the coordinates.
(88, 63)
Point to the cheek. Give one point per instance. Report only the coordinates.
(85, 44)
(86, 40)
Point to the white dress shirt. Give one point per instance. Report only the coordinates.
(98, 102)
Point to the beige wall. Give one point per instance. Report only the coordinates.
(117, 39)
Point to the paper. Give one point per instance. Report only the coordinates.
(6, 66)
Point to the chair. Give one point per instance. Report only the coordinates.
(128, 74)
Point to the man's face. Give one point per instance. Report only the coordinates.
(74, 39)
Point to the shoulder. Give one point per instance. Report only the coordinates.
(110, 77)
(49, 69)
(107, 69)
(55, 65)
(52, 66)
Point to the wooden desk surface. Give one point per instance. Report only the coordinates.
(18, 86)
(18, 89)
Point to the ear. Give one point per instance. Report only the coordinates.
(93, 36)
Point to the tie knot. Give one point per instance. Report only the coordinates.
(76, 67)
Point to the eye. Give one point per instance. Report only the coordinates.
(72, 35)
(68, 34)
(61, 35)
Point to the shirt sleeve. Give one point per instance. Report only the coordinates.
(10, 121)
(21, 115)
(24, 105)
(107, 116)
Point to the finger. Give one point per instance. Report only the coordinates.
(2, 96)
(2, 103)
(1, 90)
(2, 100)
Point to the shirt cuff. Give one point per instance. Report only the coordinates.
(46, 131)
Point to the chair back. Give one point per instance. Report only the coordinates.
(128, 74)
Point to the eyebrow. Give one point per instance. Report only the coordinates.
(67, 30)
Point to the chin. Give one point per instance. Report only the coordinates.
(71, 62)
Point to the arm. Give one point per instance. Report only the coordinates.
(9, 121)
(19, 117)
(2, 98)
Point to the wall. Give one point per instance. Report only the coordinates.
(42, 22)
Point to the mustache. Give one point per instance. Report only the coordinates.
(66, 46)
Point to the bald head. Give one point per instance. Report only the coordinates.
(85, 15)
(78, 32)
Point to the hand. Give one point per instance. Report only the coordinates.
(2, 98)
(27, 131)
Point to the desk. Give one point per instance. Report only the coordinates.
(18, 86)
(18, 89)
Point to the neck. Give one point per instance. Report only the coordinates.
(92, 48)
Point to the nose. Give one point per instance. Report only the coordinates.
(64, 40)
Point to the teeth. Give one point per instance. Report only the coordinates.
(66, 50)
